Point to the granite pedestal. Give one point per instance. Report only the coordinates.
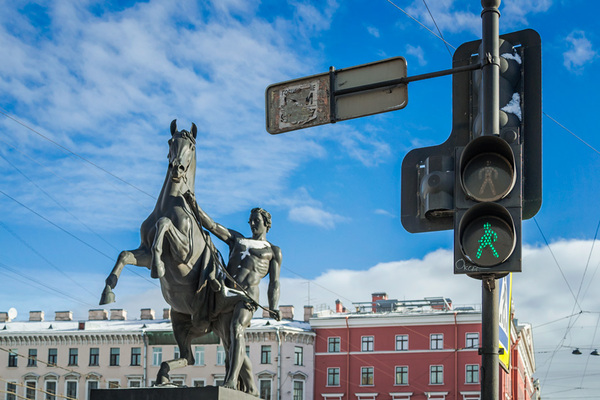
(171, 393)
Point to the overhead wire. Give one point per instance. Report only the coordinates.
(438, 28)
(7, 115)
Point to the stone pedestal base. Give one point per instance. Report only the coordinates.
(171, 393)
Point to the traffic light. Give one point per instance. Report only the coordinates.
(483, 185)
(491, 189)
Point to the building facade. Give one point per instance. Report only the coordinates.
(410, 350)
(63, 358)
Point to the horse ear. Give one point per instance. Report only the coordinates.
(194, 130)
(173, 127)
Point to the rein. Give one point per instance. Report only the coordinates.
(218, 259)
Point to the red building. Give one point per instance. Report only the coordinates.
(410, 350)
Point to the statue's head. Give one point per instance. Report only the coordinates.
(266, 217)
(182, 151)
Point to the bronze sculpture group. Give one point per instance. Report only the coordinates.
(204, 294)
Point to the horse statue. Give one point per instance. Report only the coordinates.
(179, 253)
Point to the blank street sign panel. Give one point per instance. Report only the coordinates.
(306, 102)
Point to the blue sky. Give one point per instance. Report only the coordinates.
(88, 90)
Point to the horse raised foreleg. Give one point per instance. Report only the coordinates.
(139, 257)
(179, 244)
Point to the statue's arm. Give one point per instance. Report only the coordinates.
(273, 291)
(207, 222)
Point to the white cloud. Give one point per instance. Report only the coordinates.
(310, 215)
(580, 51)
(416, 52)
(107, 88)
(373, 31)
(453, 16)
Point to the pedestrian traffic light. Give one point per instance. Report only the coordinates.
(491, 192)
(482, 184)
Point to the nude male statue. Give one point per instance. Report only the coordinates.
(250, 260)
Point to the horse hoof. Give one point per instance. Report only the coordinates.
(107, 296)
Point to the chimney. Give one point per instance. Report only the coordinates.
(287, 312)
(377, 296)
(308, 312)
(63, 316)
(166, 313)
(4, 316)
(339, 307)
(97, 314)
(36, 315)
(147, 313)
(118, 314)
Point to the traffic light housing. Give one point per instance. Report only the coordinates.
(483, 185)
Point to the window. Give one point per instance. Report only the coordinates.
(401, 342)
(366, 376)
(472, 374)
(176, 353)
(50, 390)
(248, 350)
(30, 390)
(135, 383)
(298, 390)
(199, 355)
(298, 355)
(115, 353)
(114, 384)
(265, 354)
(91, 385)
(219, 381)
(12, 358)
(52, 356)
(333, 345)
(401, 375)
(367, 343)
(94, 356)
(32, 358)
(436, 374)
(333, 377)
(472, 341)
(11, 391)
(156, 356)
(136, 356)
(436, 341)
(73, 355)
(220, 355)
(71, 390)
(264, 386)
(199, 383)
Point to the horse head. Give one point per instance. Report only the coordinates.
(182, 152)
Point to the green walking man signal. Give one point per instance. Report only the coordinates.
(487, 240)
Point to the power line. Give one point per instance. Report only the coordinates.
(424, 26)
(5, 113)
(571, 132)
(437, 27)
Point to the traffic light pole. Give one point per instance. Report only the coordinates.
(490, 386)
(490, 106)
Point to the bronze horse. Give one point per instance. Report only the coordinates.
(179, 253)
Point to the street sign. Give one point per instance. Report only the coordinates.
(357, 92)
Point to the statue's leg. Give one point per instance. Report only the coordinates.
(182, 326)
(179, 244)
(140, 257)
(246, 377)
(237, 351)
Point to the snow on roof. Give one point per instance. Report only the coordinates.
(114, 326)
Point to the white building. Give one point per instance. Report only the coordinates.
(63, 358)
